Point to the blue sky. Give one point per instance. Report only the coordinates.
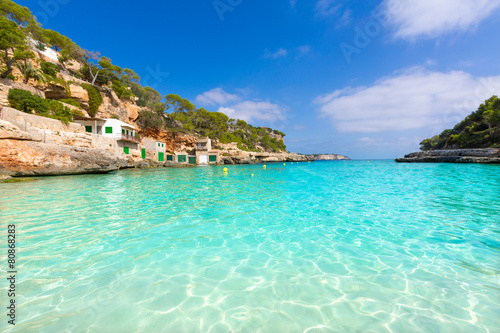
(368, 79)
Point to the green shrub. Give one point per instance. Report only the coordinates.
(11, 77)
(70, 101)
(149, 119)
(121, 90)
(50, 68)
(278, 133)
(95, 98)
(24, 101)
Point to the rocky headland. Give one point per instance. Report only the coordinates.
(482, 155)
(329, 157)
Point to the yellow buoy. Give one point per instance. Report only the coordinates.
(284, 163)
(264, 166)
(252, 174)
(308, 161)
(225, 169)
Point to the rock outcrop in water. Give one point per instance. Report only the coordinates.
(486, 155)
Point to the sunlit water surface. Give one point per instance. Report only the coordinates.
(350, 246)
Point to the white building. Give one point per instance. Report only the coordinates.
(157, 148)
(204, 153)
(125, 134)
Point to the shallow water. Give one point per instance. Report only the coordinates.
(349, 246)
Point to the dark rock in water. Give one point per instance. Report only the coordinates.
(484, 156)
(226, 160)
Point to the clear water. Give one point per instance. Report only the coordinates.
(322, 247)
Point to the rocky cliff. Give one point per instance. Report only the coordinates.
(486, 155)
(329, 157)
(23, 153)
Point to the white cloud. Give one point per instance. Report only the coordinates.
(304, 49)
(216, 96)
(412, 99)
(277, 54)
(251, 111)
(386, 143)
(327, 7)
(431, 18)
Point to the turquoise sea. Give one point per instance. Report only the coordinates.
(347, 246)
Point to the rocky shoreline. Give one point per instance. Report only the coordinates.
(56, 149)
(330, 157)
(481, 155)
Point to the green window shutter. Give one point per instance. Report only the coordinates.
(192, 160)
(126, 150)
(161, 157)
(212, 158)
(88, 129)
(181, 158)
(143, 153)
(159, 144)
(108, 130)
(123, 131)
(170, 158)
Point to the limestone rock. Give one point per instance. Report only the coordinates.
(28, 158)
(330, 157)
(482, 155)
(55, 91)
(10, 131)
(80, 95)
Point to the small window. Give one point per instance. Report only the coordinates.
(88, 129)
(108, 130)
(123, 131)
(159, 144)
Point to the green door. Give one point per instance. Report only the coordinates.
(126, 150)
(143, 153)
(161, 157)
(192, 159)
(212, 158)
(181, 158)
(170, 157)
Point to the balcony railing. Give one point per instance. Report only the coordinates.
(129, 138)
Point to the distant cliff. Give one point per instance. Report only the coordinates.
(485, 156)
(329, 157)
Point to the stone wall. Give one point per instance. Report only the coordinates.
(27, 122)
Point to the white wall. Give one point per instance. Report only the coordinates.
(117, 126)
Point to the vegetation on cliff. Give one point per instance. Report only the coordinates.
(480, 129)
(23, 100)
(19, 29)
